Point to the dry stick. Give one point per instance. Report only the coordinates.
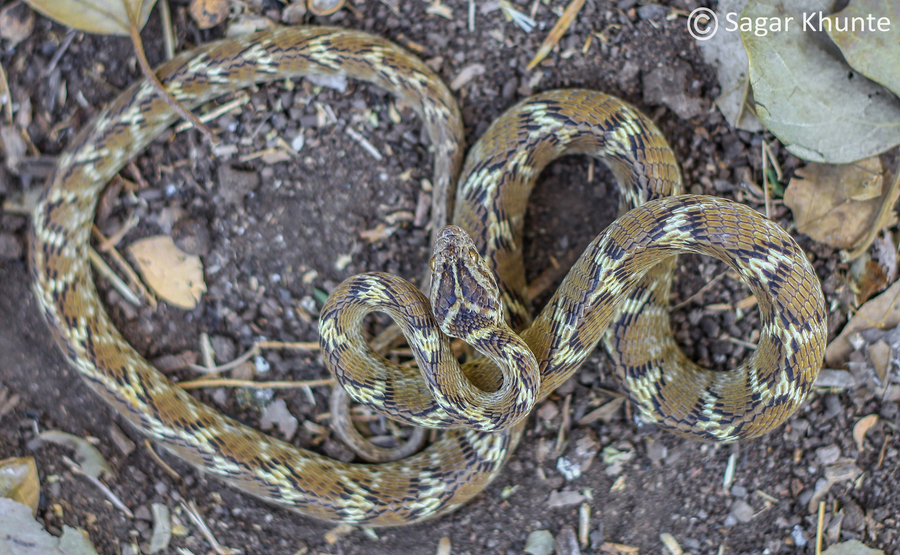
(168, 469)
(76, 468)
(819, 530)
(114, 280)
(880, 455)
(701, 291)
(556, 33)
(169, 99)
(765, 183)
(240, 100)
(225, 382)
(191, 509)
(133, 278)
(165, 14)
(774, 160)
(4, 93)
(564, 425)
(110, 242)
(57, 56)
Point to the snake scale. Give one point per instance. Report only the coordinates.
(617, 291)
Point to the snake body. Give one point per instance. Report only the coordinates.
(619, 280)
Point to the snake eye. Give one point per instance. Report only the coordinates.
(431, 263)
(473, 254)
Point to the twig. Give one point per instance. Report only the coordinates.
(57, 56)
(289, 345)
(884, 445)
(564, 425)
(556, 33)
(110, 242)
(250, 384)
(194, 514)
(471, 16)
(773, 160)
(363, 142)
(819, 528)
(765, 183)
(254, 350)
(74, 467)
(104, 270)
(170, 100)
(237, 102)
(701, 291)
(132, 276)
(165, 15)
(155, 456)
(5, 96)
(740, 342)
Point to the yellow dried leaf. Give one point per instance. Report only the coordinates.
(19, 481)
(177, 277)
(860, 429)
(103, 17)
(882, 312)
(838, 205)
(209, 13)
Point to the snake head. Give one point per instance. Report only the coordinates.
(465, 297)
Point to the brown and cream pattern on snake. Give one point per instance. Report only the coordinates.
(617, 291)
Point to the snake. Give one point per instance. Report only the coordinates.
(616, 293)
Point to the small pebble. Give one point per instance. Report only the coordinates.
(539, 542)
(828, 455)
(742, 511)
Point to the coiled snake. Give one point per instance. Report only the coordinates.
(620, 271)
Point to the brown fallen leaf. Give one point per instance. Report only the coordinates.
(874, 279)
(860, 429)
(102, 17)
(177, 277)
(882, 312)
(851, 547)
(839, 205)
(209, 13)
(19, 481)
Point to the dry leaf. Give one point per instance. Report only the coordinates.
(86, 455)
(16, 23)
(177, 277)
(19, 481)
(838, 205)
(871, 52)
(104, 17)
(882, 312)
(807, 95)
(860, 429)
(209, 13)
(852, 547)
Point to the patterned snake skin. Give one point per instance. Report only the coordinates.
(618, 288)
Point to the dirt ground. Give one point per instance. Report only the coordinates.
(274, 235)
